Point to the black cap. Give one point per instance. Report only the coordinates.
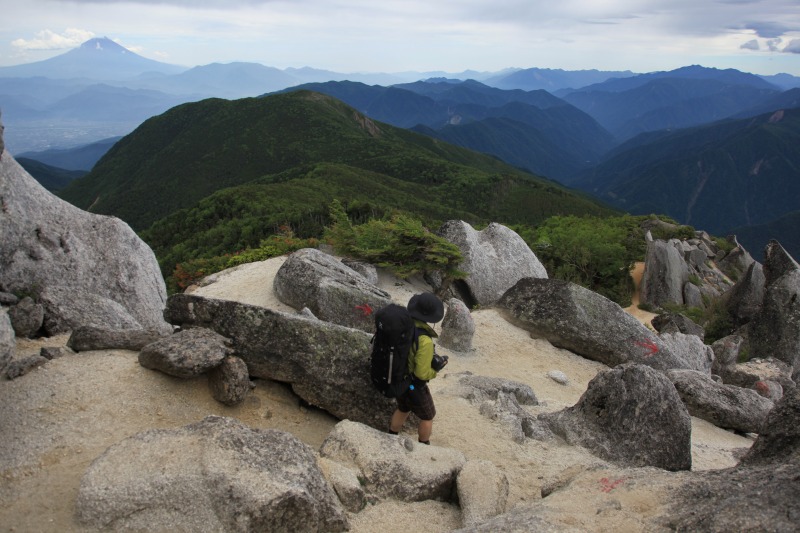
(426, 307)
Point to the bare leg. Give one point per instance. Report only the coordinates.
(398, 419)
(425, 429)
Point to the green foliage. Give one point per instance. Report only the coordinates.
(695, 314)
(669, 229)
(283, 243)
(744, 354)
(189, 272)
(595, 252)
(192, 271)
(717, 322)
(714, 317)
(401, 244)
(646, 306)
(724, 244)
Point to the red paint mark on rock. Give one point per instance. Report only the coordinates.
(365, 309)
(648, 345)
(607, 485)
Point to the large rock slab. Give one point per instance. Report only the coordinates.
(749, 373)
(761, 493)
(186, 354)
(737, 261)
(458, 327)
(213, 475)
(743, 300)
(495, 258)
(327, 365)
(725, 406)
(584, 322)
(779, 440)
(756, 498)
(395, 466)
(630, 415)
(690, 348)
(726, 354)
(331, 290)
(775, 330)
(92, 310)
(78, 258)
(665, 274)
(87, 338)
(677, 323)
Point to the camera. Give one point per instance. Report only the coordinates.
(439, 361)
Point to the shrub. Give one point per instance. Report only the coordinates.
(650, 308)
(594, 252)
(190, 272)
(401, 244)
(282, 243)
(714, 318)
(724, 244)
(718, 322)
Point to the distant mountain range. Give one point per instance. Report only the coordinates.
(36, 94)
(716, 177)
(533, 130)
(653, 142)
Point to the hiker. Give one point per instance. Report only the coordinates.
(424, 308)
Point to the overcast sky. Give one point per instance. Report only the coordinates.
(758, 36)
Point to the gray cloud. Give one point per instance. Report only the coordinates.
(750, 45)
(793, 47)
(773, 44)
(768, 30)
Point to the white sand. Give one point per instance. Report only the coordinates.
(58, 418)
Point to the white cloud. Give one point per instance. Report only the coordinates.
(49, 40)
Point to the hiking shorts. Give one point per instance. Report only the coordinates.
(419, 401)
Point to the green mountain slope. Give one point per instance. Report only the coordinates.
(240, 217)
(51, 178)
(174, 160)
(217, 176)
(716, 177)
(512, 141)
